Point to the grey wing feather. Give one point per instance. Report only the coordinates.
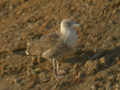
(37, 47)
(60, 50)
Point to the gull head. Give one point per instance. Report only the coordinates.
(69, 35)
(68, 24)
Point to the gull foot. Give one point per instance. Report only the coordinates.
(61, 74)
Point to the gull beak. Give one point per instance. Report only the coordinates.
(75, 24)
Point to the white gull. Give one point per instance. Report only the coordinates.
(55, 45)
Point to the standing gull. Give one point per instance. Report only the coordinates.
(55, 45)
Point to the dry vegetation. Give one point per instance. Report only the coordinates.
(99, 36)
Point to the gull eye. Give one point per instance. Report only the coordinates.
(69, 24)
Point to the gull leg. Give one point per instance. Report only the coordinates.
(27, 49)
(27, 52)
(54, 66)
(57, 66)
(38, 59)
(58, 73)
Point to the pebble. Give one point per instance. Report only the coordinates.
(44, 77)
(102, 60)
(90, 66)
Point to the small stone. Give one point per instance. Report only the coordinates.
(34, 60)
(76, 67)
(102, 60)
(31, 85)
(114, 11)
(109, 86)
(62, 72)
(118, 60)
(37, 70)
(90, 66)
(93, 87)
(102, 88)
(117, 87)
(118, 77)
(43, 77)
(78, 75)
(17, 80)
(111, 77)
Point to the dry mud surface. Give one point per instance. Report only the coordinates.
(95, 65)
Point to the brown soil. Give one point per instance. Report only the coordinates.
(95, 65)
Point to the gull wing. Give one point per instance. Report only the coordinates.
(37, 47)
(59, 50)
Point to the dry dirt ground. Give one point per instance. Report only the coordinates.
(94, 66)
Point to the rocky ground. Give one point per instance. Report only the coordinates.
(95, 65)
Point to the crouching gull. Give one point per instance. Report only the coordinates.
(55, 45)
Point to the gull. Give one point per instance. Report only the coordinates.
(55, 45)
